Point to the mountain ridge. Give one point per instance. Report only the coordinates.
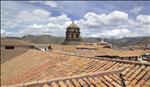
(116, 42)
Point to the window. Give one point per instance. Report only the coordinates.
(71, 35)
(77, 35)
(78, 29)
(9, 47)
(71, 29)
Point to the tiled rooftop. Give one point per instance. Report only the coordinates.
(99, 52)
(6, 42)
(92, 79)
(37, 65)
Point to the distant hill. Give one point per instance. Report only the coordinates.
(43, 39)
(48, 39)
(119, 43)
(91, 40)
(130, 42)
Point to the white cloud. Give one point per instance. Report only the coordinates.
(5, 33)
(56, 26)
(34, 29)
(25, 18)
(117, 33)
(136, 9)
(118, 15)
(115, 24)
(33, 16)
(113, 19)
(35, 26)
(143, 19)
(59, 19)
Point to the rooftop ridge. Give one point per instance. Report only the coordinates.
(125, 61)
(99, 58)
(94, 74)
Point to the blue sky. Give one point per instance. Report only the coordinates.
(112, 19)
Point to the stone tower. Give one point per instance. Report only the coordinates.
(72, 35)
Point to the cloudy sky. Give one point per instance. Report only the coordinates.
(109, 19)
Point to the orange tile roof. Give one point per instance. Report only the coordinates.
(76, 80)
(13, 42)
(100, 51)
(40, 65)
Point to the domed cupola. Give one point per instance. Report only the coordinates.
(73, 27)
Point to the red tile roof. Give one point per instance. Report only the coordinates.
(38, 66)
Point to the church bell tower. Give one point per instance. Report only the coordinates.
(72, 35)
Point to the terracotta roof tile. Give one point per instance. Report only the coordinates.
(69, 83)
(76, 83)
(125, 71)
(117, 81)
(54, 84)
(106, 82)
(147, 76)
(45, 85)
(140, 75)
(62, 84)
(141, 82)
(135, 73)
(108, 79)
(87, 81)
(100, 82)
(133, 82)
(82, 83)
(93, 81)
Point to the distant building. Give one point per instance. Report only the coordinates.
(105, 44)
(147, 47)
(146, 57)
(43, 47)
(72, 35)
(11, 48)
(15, 45)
